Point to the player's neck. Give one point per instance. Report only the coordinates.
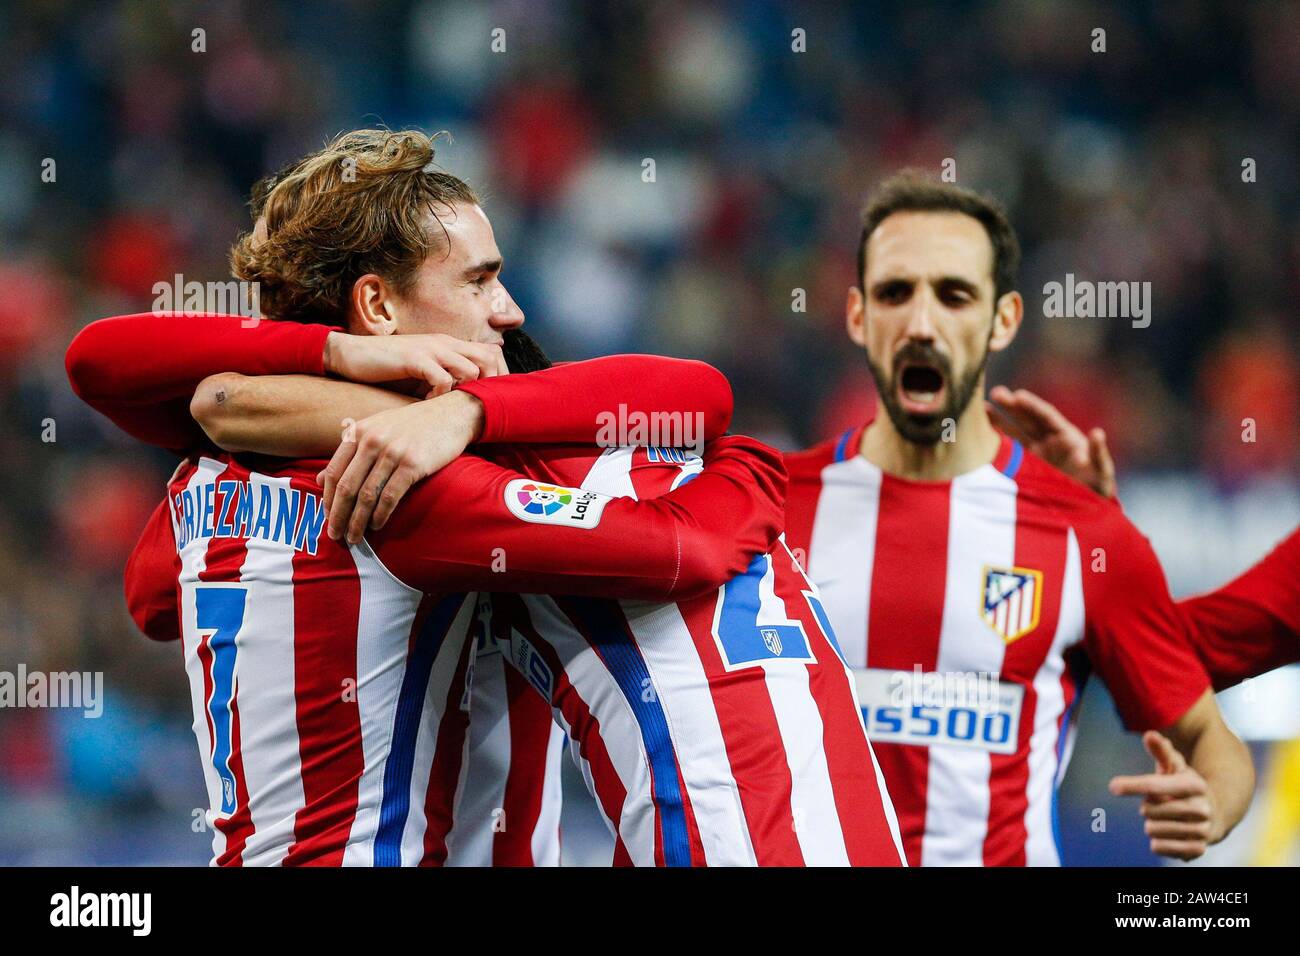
(974, 443)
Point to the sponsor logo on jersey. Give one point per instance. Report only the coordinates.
(1011, 600)
(970, 711)
(551, 504)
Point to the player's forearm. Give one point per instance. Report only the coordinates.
(1221, 758)
(1224, 761)
(140, 370)
(288, 416)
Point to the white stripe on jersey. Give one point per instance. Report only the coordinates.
(436, 702)
(602, 696)
(850, 498)
(488, 756)
(812, 801)
(264, 688)
(546, 834)
(706, 769)
(193, 563)
(388, 610)
(1044, 768)
(981, 525)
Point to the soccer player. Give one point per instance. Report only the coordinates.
(328, 678)
(972, 586)
(511, 771)
(1245, 628)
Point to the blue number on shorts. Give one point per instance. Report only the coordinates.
(221, 611)
(742, 638)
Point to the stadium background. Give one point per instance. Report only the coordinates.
(1125, 164)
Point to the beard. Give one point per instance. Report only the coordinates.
(521, 353)
(926, 429)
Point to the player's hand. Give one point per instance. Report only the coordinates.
(436, 363)
(1177, 802)
(1039, 425)
(390, 452)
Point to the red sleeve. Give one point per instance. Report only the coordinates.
(1252, 625)
(585, 402)
(141, 370)
(152, 571)
(477, 525)
(1134, 635)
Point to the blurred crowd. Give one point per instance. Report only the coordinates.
(682, 178)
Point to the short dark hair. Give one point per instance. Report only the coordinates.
(914, 191)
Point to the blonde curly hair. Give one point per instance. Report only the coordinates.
(358, 206)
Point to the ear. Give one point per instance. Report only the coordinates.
(373, 308)
(1006, 321)
(855, 316)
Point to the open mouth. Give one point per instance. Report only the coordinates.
(921, 388)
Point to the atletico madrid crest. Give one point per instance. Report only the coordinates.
(1012, 599)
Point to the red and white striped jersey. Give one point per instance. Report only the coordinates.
(971, 610)
(719, 730)
(329, 682)
(319, 681)
(507, 812)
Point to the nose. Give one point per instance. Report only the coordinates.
(920, 317)
(506, 313)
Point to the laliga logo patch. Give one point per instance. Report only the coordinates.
(1012, 600)
(549, 504)
(543, 499)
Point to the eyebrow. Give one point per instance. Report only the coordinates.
(487, 265)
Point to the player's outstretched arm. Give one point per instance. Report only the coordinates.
(1252, 625)
(477, 525)
(142, 370)
(1039, 425)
